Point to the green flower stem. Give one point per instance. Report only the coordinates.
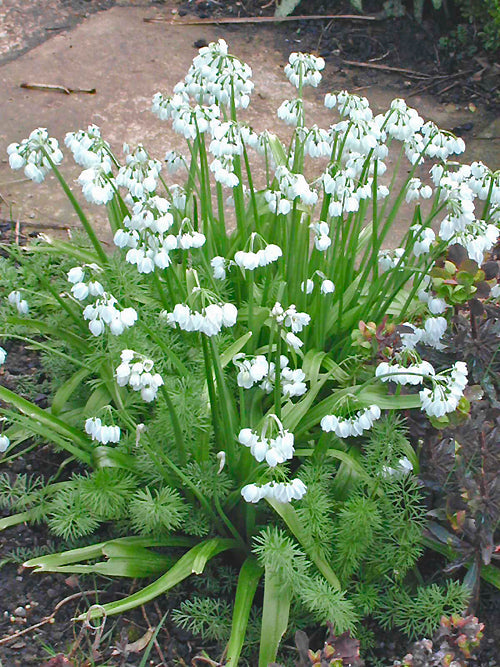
(243, 411)
(291, 268)
(239, 201)
(79, 211)
(250, 288)
(207, 214)
(222, 236)
(251, 188)
(229, 425)
(375, 216)
(229, 525)
(277, 380)
(179, 437)
(161, 294)
(250, 512)
(170, 354)
(212, 393)
(488, 200)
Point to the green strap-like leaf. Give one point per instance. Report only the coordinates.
(49, 420)
(373, 394)
(16, 519)
(51, 562)
(65, 391)
(233, 349)
(65, 249)
(275, 612)
(248, 579)
(57, 333)
(193, 562)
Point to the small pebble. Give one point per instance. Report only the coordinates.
(20, 611)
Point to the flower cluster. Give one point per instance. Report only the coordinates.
(104, 312)
(294, 186)
(210, 321)
(144, 235)
(218, 76)
(347, 193)
(424, 237)
(35, 154)
(345, 427)
(16, 300)
(390, 259)
(292, 319)
(88, 147)
(272, 450)
(322, 240)
(304, 69)
(251, 260)
(430, 334)
(403, 467)
(137, 372)
(258, 369)
(326, 286)
(447, 390)
(291, 111)
(283, 492)
(140, 173)
(404, 374)
(82, 289)
(104, 434)
(98, 186)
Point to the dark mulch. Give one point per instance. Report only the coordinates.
(378, 45)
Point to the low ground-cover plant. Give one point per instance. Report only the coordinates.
(239, 363)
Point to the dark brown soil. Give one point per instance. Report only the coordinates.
(372, 48)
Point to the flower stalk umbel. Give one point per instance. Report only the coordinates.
(223, 333)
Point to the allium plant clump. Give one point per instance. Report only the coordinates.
(220, 388)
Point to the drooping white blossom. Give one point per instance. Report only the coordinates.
(4, 443)
(304, 69)
(136, 371)
(283, 492)
(16, 300)
(209, 320)
(345, 427)
(447, 390)
(88, 147)
(33, 154)
(103, 434)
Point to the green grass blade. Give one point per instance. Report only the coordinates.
(248, 580)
